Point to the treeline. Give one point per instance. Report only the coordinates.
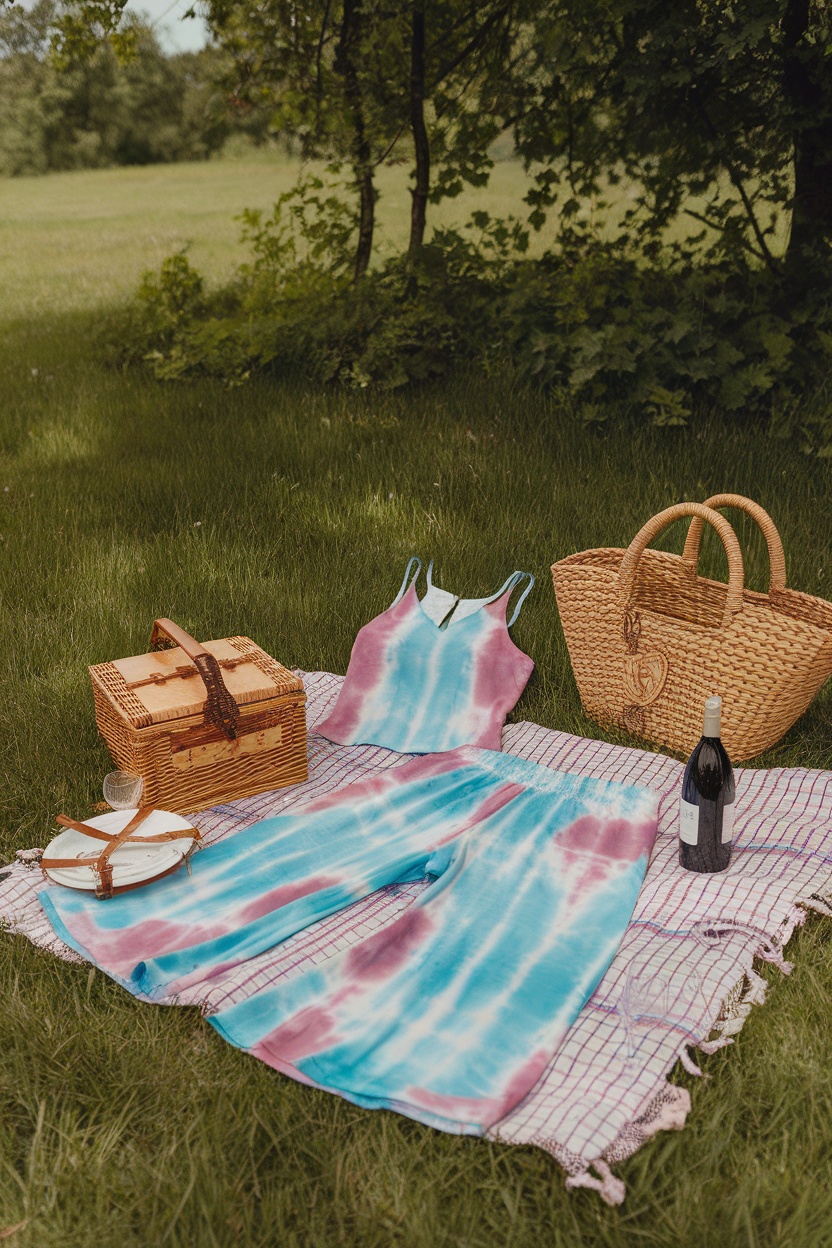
(105, 111)
(683, 151)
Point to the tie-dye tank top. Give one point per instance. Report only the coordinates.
(432, 674)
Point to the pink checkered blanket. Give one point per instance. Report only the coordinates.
(682, 977)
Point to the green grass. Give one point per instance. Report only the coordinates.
(288, 514)
(80, 240)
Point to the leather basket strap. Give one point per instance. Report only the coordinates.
(128, 888)
(101, 866)
(221, 709)
(95, 833)
(174, 834)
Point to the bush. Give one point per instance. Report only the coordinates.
(665, 338)
(620, 336)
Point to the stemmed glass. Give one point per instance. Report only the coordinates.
(672, 997)
(642, 999)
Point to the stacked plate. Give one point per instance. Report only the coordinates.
(132, 862)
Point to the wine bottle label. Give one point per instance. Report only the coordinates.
(727, 823)
(689, 822)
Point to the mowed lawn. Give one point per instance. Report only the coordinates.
(288, 513)
(83, 239)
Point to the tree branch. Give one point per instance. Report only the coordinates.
(720, 228)
(752, 217)
(421, 142)
(736, 182)
(381, 159)
(471, 46)
(319, 51)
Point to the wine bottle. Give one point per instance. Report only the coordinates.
(706, 817)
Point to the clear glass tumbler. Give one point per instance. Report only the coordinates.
(123, 790)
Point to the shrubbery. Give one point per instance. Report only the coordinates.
(718, 114)
(616, 333)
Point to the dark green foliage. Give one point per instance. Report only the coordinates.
(665, 339)
(295, 307)
(618, 335)
(102, 112)
(366, 84)
(713, 113)
(722, 111)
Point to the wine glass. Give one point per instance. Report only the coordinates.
(643, 1000)
(123, 790)
(673, 997)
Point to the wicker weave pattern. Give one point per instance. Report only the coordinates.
(187, 764)
(285, 681)
(650, 640)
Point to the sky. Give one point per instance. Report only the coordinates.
(175, 34)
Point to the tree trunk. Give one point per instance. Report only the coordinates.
(367, 216)
(419, 192)
(345, 63)
(809, 92)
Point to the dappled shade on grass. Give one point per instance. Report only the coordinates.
(288, 515)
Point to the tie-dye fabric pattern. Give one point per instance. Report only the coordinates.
(451, 1014)
(254, 889)
(605, 1092)
(419, 688)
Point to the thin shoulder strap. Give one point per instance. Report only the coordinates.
(510, 585)
(429, 576)
(408, 579)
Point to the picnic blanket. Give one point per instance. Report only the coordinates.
(450, 1013)
(683, 975)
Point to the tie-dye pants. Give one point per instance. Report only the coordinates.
(451, 1013)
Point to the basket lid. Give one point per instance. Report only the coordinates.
(165, 685)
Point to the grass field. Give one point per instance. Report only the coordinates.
(288, 514)
(97, 231)
(82, 240)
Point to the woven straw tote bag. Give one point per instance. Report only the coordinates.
(650, 640)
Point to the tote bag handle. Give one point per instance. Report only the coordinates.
(776, 557)
(628, 572)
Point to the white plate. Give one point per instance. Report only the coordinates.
(132, 863)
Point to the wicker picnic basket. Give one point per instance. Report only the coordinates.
(650, 640)
(202, 724)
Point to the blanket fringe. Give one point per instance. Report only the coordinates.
(713, 1046)
(819, 903)
(751, 989)
(688, 1062)
(29, 857)
(736, 1012)
(769, 952)
(769, 949)
(610, 1189)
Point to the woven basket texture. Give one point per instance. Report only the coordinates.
(186, 763)
(650, 640)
